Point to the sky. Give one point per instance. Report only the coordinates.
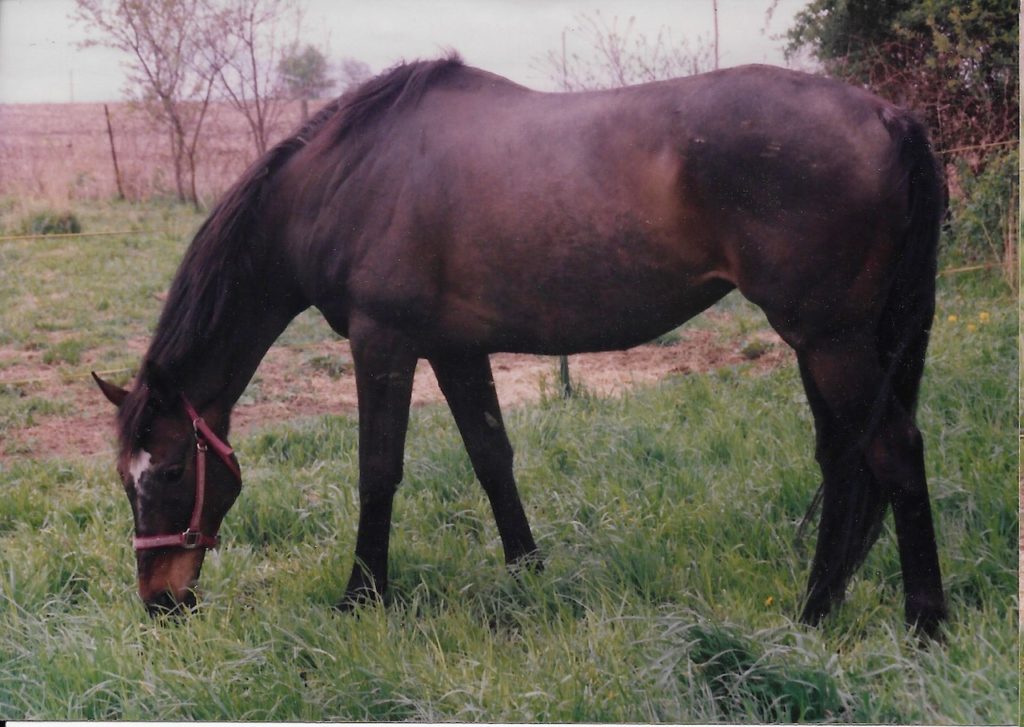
(41, 59)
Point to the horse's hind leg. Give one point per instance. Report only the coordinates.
(468, 386)
(851, 510)
(871, 454)
(384, 366)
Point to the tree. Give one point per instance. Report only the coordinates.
(168, 75)
(242, 40)
(953, 60)
(303, 73)
(619, 57)
(353, 72)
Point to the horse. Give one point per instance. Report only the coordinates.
(442, 212)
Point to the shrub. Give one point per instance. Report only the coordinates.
(982, 227)
(49, 222)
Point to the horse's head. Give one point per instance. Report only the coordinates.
(180, 477)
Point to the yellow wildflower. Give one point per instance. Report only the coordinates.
(769, 601)
(971, 328)
(983, 316)
(951, 319)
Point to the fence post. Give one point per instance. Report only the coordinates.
(563, 373)
(113, 153)
(1011, 251)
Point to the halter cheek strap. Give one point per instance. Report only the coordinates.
(193, 537)
(206, 436)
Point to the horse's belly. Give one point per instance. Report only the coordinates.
(569, 316)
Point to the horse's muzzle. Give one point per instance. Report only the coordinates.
(166, 604)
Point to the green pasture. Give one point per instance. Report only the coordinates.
(667, 518)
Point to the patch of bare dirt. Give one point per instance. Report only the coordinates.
(314, 380)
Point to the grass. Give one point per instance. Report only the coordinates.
(667, 518)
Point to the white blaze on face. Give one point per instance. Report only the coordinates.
(138, 467)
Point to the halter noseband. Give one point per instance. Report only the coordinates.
(193, 537)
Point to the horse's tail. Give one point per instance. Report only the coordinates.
(905, 322)
(907, 318)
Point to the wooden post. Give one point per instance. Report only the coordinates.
(113, 153)
(1011, 251)
(715, 7)
(563, 372)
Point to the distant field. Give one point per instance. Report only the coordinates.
(61, 152)
(667, 515)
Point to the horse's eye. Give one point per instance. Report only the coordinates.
(173, 473)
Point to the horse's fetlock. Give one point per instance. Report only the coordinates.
(925, 614)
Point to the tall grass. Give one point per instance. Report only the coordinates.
(667, 518)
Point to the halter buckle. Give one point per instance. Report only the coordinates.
(190, 539)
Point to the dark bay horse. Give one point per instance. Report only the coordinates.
(445, 213)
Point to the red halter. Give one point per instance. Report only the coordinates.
(192, 537)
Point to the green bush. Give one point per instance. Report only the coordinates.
(49, 222)
(980, 213)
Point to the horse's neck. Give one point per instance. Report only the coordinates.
(229, 302)
(218, 374)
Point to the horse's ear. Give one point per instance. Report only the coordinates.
(115, 394)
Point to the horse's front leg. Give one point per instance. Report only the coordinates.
(384, 365)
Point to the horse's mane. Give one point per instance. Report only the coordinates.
(224, 255)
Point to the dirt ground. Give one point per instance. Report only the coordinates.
(315, 380)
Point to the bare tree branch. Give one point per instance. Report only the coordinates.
(167, 75)
(244, 36)
(614, 56)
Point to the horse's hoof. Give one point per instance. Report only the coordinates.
(815, 609)
(358, 598)
(532, 562)
(926, 621)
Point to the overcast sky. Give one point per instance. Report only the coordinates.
(40, 60)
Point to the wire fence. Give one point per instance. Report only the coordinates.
(978, 147)
(64, 152)
(63, 376)
(69, 235)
